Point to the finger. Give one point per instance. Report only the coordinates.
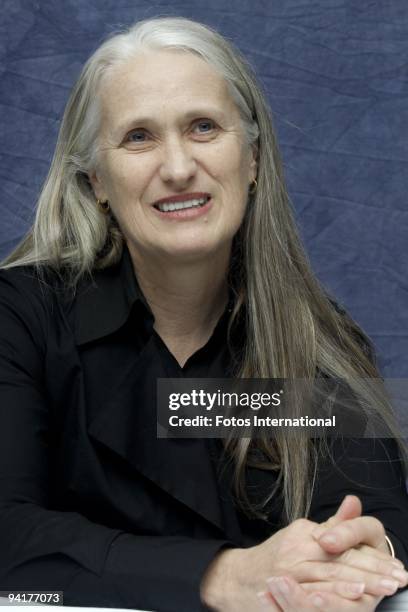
(377, 553)
(289, 595)
(267, 602)
(351, 533)
(334, 603)
(294, 598)
(366, 561)
(348, 590)
(349, 508)
(375, 584)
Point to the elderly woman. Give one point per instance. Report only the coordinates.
(164, 246)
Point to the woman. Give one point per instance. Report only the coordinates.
(164, 246)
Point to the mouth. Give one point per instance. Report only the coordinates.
(191, 203)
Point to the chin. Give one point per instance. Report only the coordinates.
(191, 252)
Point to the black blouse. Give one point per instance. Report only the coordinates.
(91, 502)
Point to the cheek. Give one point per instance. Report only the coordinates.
(233, 166)
(126, 177)
(125, 182)
(235, 180)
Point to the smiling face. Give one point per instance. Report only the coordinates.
(171, 136)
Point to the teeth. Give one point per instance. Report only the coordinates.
(181, 205)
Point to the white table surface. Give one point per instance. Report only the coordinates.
(6, 604)
(398, 603)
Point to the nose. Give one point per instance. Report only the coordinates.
(178, 164)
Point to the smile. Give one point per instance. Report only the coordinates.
(170, 206)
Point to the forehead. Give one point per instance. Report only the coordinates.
(162, 81)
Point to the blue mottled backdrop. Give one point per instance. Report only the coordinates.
(336, 74)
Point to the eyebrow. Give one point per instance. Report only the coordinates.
(143, 120)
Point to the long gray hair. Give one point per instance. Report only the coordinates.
(292, 329)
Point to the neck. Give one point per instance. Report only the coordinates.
(186, 299)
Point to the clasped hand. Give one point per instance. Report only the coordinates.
(342, 565)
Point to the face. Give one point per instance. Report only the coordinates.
(173, 162)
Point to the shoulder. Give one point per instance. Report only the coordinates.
(29, 285)
(30, 299)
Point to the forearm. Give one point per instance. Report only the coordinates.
(160, 573)
(97, 566)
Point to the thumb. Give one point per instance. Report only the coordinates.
(349, 508)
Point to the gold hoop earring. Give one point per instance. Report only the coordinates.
(103, 206)
(253, 187)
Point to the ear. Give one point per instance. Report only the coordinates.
(97, 186)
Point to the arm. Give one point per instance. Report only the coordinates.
(45, 547)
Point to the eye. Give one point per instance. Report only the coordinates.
(204, 126)
(136, 136)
